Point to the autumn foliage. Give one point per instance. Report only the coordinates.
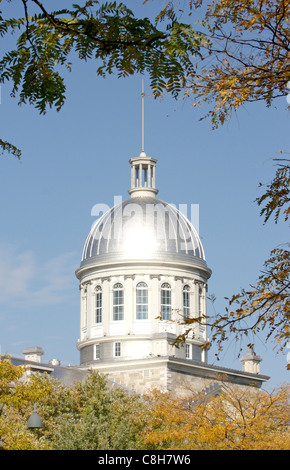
(248, 55)
(235, 419)
(97, 416)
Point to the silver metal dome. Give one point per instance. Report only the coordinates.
(143, 228)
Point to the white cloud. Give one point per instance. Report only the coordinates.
(26, 280)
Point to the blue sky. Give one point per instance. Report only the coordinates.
(78, 157)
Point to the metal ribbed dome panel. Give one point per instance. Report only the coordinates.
(142, 228)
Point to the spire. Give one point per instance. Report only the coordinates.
(143, 95)
(143, 168)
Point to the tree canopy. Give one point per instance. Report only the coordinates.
(49, 41)
(231, 419)
(96, 415)
(247, 57)
(265, 305)
(90, 416)
(229, 54)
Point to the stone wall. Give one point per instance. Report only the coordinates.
(177, 376)
(159, 377)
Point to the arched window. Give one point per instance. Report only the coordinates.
(141, 301)
(165, 301)
(98, 305)
(118, 302)
(186, 302)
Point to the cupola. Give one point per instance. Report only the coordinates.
(143, 179)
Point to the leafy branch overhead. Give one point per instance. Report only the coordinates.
(109, 34)
(249, 55)
(243, 49)
(265, 306)
(277, 195)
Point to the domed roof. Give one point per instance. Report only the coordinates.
(143, 228)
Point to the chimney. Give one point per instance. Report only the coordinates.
(33, 354)
(251, 362)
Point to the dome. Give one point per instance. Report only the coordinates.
(143, 228)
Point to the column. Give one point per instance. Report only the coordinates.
(128, 304)
(153, 177)
(177, 308)
(90, 309)
(154, 306)
(149, 176)
(140, 175)
(83, 300)
(106, 306)
(132, 176)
